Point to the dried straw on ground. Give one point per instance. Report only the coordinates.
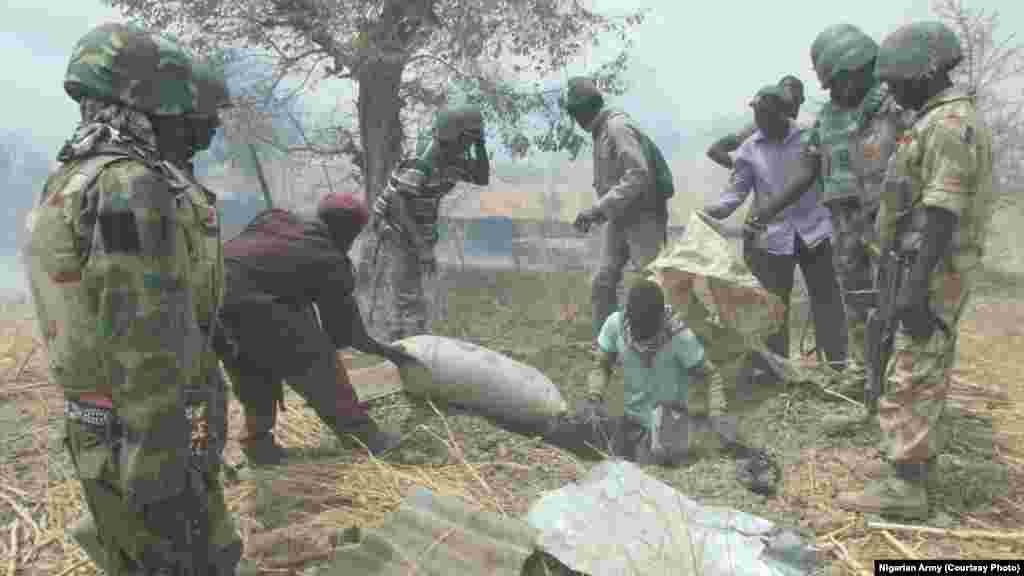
(39, 498)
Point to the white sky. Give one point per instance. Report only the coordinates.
(695, 65)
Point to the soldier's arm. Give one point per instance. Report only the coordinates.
(137, 272)
(720, 150)
(801, 174)
(632, 164)
(948, 172)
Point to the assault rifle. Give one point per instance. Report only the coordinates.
(882, 323)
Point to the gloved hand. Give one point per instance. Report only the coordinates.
(587, 218)
(912, 306)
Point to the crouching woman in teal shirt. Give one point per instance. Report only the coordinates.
(663, 364)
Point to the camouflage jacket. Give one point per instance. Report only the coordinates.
(124, 267)
(946, 158)
(854, 146)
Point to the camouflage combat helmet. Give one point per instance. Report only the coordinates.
(126, 64)
(211, 88)
(450, 123)
(917, 51)
(842, 47)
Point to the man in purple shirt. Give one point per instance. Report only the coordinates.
(798, 235)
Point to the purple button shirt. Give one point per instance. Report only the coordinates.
(760, 166)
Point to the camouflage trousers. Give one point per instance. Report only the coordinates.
(852, 231)
(918, 379)
(403, 297)
(125, 540)
(640, 242)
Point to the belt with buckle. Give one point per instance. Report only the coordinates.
(88, 413)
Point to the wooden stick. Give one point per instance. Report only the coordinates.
(899, 546)
(462, 459)
(14, 490)
(844, 555)
(73, 567)
(12, 565)
(839, 531)
(965, 534)
(831, 392)
(23, 514)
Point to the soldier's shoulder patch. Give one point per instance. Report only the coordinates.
(905, 138)
(952, 119)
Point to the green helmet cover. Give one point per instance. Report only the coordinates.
(211, 87)
(918, 50)
(126, 64)
(452, 122)
(838, 48)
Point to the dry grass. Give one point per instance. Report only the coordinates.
(986, 386)
(39, 497)
(322, 499)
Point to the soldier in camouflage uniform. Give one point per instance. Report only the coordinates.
(934, 211)
(405, 214)
(719, 152)
(846, 152)
(125, 274)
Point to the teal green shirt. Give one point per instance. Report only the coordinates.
(667, 380)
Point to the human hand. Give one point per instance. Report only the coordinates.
(587, 218)
(754, 225)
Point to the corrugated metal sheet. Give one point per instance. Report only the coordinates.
(433, 535)
(619, 521)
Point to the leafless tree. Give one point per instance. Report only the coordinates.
(993, 63)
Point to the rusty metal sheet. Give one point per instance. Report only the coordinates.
(375, 381)
(437, 535)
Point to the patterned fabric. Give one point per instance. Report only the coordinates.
(947, 158)
(104, 123)
(854, 229)
(854, 145)
(126, 64)
(647, 349)
(124, 267)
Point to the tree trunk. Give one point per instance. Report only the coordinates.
(380, 132)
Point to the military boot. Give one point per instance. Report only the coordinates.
(903, 494)
(367, 432)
